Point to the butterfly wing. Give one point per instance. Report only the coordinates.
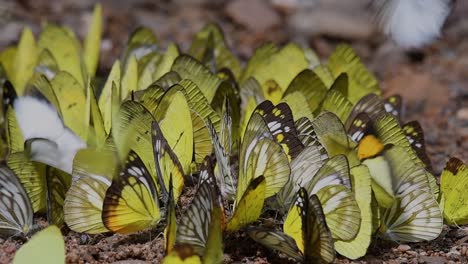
(306, 224)
(180, 135)
(414, 217)
(415, 135)
(194, 225)
(303, 169)
(131, 203)
(357, 247)
(16, 213)
(93, 170)
(453, 180)
(35, 252)
(167, 164)
(276, 240)
(249, 206)
(280, 122)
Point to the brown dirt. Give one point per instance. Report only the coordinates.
(434, 86)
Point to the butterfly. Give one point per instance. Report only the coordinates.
(35, 252)
(48, 141)
(305, 235)
(415, 135)
(135, 192)
(263, 170)
(222, 146)
(302, 100)
(336, 100)
(93, 171)
(281, 125)
(386, 130)
(274, 68)
(330, 132)
(411, 24)
(411, 212)
(210, 47)
(452, 182)
(198, 234)
(45, 186)
(329, 179)
(16, 212)
(361, 81)
(131, 202)
(361, 186)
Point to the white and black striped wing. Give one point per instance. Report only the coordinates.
(16, 213)
(194, 225)
(414, 217)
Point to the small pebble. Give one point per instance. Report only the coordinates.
(462, 114)
(403, 248)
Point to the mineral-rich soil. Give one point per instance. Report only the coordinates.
(433, 82)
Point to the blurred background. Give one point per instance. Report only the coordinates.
(433, 81)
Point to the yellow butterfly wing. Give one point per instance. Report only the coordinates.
(249, 206)
(305, 223)
(276, 71)
(32, 177)
(453, 180)
(72, 100)
(131, 129)
(166, 61)
(174, 258)
(331, 134)
(131, 203)
(179, 135)
(201, 110)
(25, 61)
(357, 247)
(15, 139)
(93, 41)
(65, 48)
(335, 100)
(189, 68)
(361, 81)
(129, 80)
(308, 85)
(168, 167)
(97, 133)
(7, 60)
(93, 170)
(34, 250)
(105, 99)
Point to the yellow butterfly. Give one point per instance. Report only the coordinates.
(131, 202)
(305, 235)
(452, 187)
(93, 171)
(198, 235)
(35, 252)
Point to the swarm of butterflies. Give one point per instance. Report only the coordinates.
(306, 158)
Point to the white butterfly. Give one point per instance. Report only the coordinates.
(413, 23)
(49, 141)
